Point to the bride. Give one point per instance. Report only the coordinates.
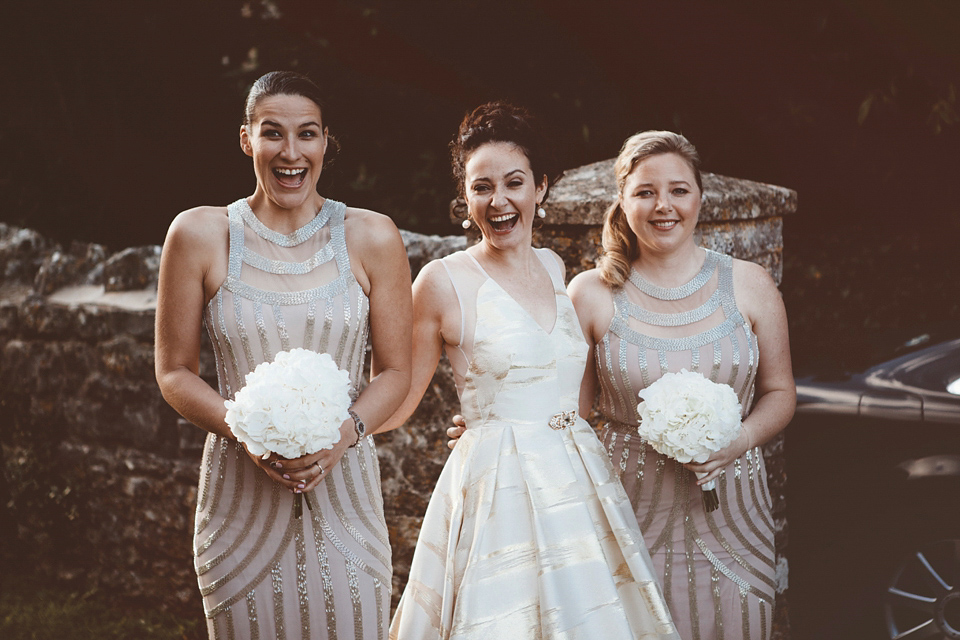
(528, 534)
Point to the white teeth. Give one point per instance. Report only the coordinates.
(664, 223)
(290, 172)
(502, 218)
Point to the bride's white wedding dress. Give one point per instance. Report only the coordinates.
(529, 533)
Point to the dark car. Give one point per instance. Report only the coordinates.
(873, 460)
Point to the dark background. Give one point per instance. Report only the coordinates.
(117, 114)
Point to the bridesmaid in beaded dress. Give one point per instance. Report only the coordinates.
(656, 303)
(281, 269)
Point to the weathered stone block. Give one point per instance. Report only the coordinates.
(132, 269)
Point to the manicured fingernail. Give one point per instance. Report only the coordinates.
(277, 465)
(301, 485)
(297, 491)
(286, 477)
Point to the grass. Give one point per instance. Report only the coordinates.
(54, 613)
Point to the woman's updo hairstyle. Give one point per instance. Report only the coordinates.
(501, 121)
(288, 83)
(619, 242)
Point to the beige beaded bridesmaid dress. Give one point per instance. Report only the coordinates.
(528, 533)
(717, 569)
(263, 572)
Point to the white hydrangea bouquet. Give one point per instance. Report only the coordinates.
(292, 406)
(687, 417)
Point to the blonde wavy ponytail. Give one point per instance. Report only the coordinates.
(619, 242)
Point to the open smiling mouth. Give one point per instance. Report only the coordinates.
(504, 223)
(290, 177)
(665, 224)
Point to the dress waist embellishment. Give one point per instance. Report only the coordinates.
(564, 419)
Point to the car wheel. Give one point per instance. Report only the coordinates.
(922, 599)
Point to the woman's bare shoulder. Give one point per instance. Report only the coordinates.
(370, 228)
(755, 290)
(589, 286)
(200, 225)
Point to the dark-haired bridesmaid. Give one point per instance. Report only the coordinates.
(281, 269)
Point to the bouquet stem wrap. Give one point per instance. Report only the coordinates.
(689, 418)
(711, 501)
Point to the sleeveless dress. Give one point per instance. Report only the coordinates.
(264, 573)
(716, 569)
(528, 533)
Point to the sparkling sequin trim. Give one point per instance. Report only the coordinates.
(281, 549)
(217, 486)
(756, 475)
(764, 537)
(366, 448)
(209, 444)
(252, 615)
(355, 601)
(261, 540)
(669, 319)
(262, 332)
(381, 613)
(620, 328)
(303, 596)
(221, 319)
(657, 488)
(348, 479)
(334, 498)
(717, 604)
(326, 578)
(331, 209)
(763, 620)
(279, 267)
(740, 560)
(730, 575)
(281, 328)
(745, 611)
(350, 556)
(276, 580)
(228, 618)
(683, 291)
(681, 476)
(741, 538)
(239, 477)
(691, 569)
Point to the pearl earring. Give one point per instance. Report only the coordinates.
(465, 224)
(541, 213)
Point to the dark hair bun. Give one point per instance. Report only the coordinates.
(500, 121)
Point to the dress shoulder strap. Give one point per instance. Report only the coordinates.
(235, 216)
(456, 290)
(553, 269)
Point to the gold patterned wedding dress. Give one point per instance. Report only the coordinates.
(528, 534)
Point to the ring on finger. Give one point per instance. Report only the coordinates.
(319, 468)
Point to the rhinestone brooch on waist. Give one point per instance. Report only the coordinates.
(564, 419)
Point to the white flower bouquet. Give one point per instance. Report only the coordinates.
(687, 417)
(292, 406)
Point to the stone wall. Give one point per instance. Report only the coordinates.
(100, 475)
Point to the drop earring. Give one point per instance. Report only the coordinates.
(466, 223)
(541, 213)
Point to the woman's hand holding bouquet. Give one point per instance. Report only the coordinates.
(291, 416)
(691, 419)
